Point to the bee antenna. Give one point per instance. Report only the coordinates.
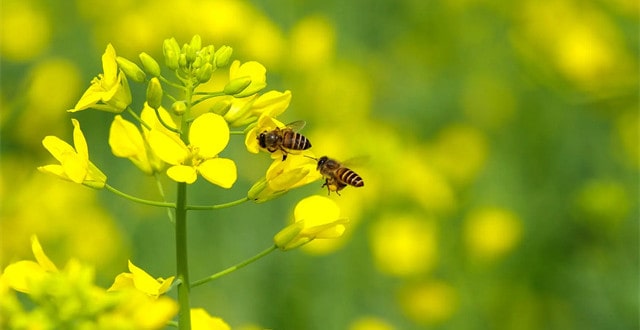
(316, 159)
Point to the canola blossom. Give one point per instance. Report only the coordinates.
(316, 217)
(109, 91)
(141, 281)
(208, 136)
(74, 161)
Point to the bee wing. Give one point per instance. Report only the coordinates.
(357, 161)
(296, 125)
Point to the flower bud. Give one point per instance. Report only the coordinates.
(190, 53)
(257, 188)
(171, 51)
(154, 93)
(221, 107)
(149, 64)
(288, 238)
(131, 69)
(222, 56)
(196, 43)
(179, 107)
(237, 85)
(204, 73)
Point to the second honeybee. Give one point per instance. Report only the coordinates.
(337, 176)
(284, 139)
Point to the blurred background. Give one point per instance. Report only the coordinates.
(501, 137)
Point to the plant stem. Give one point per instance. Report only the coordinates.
(218, 206)
(139, 200)
(182, 264)
(234, 267)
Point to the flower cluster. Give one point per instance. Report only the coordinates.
(182, 130)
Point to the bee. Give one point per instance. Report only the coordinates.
(284, 139)
(337, 176)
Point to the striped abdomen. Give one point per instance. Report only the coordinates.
(349, 177)
(294, 141)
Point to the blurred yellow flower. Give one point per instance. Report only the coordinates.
(315, 217)
(208, 136)
(74, 163)
(370, 323)
(110, 90)
(126, 140)
(429, 303)
(139, 279)
(60, 298)
(21, 275)
(404, 245)
(201, 320)
(15, 16)
(491, 232)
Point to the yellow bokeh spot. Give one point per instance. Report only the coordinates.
(437, 195)
(370, 323)
(490, 233)
(24, 31)
(460, 152)
(404, 245)
(312, 43)
(429, 303)
(52, 86)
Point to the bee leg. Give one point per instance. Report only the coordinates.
(284, 157)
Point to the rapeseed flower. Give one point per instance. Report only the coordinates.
(208, 136)
(315, 217)
(109, 91)
(74, 162)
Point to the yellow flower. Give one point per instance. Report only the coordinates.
(246, 110)
(142, 281)
(315, 217)
(208, 136)
(127, 141)
(74, 163)
(282, 176)
(21, 275)
(253, 70)
(109, 91)
(201, 320)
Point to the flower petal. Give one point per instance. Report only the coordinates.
(182, 173)
(168, 147)
(91, 97)
(109, 66)
(22, 274)
(42, 258)
(75, 167)
(125, 139)
(55, 169)
(210, 134)
(201, 320)
(57, 147)
(316, 210)
(121, 282)
(219, 171)
(143, 281)
(79, 141)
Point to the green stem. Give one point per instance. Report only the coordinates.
(164, 198)
(236, 133)
(208, 96)
(234, 267)
(182, 264)
(138, 200)
(218, 206)
(135, 115)
(167, 126)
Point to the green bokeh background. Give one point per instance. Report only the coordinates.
(468, 109)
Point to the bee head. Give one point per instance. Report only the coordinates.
(322, 160)
(262, 139)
